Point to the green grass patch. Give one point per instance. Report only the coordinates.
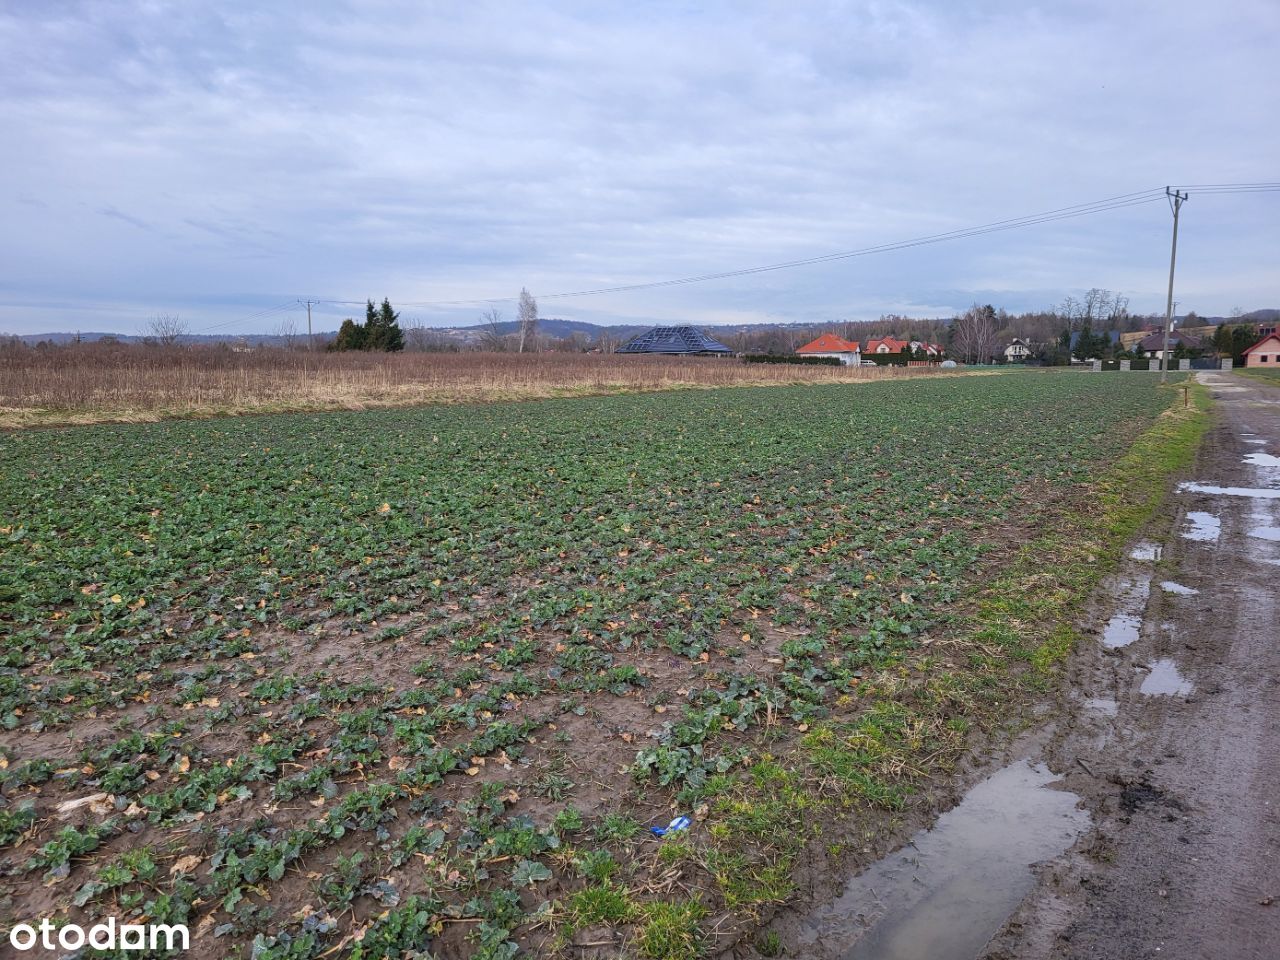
(1271, 377)
(669, 931)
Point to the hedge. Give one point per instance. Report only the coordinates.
(791, 358)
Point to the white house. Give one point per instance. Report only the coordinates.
(1017, 351)
(829, 345)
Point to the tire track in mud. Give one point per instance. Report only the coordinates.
(1173, 742)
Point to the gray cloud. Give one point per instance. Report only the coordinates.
(444, 151)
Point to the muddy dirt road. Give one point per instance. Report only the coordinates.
(1173, 739)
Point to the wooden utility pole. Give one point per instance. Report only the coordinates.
(1176, 201)
(311, 343)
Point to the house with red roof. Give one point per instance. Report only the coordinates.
(829, 345)
(1264, 354)
(887, 345)
(931, 351)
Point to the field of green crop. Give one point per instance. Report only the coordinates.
(418, 682)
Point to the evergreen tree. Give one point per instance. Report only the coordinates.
(382, 327)
(389, 327)
(350, 336)
(1087, 346)
(1222, 339)
(372, 334)
(380, 330)
(1243, 336)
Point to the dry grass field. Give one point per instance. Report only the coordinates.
(95, 383)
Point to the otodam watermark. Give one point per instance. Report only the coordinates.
(101, 936)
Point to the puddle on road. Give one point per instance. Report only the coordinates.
(948, 892)
(1256, 443)
(1131, 599)
(1258, 493)
(1262, 459)
(1146, 551)
(1103, 705)
(1121, 630)
(1205, 527)
(1168, 586)
(1266, 533)
(1165, 680)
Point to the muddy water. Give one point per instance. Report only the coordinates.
(1121, 630)
(1131, 594)
(1203, 527)
(1169, 586)
(946, 893)
(1165, 680)
(1262, 460)
(1257, 493)
(1146, 551)
(1106, 706)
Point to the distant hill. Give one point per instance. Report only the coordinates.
(92, 336)
(553, 327)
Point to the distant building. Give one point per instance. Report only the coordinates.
(675, 341)
(1018, 351)
(1112, 337)
(829, 345)
(1264, 353)
(1152, 345)
(887, 345)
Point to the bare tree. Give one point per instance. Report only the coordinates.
(1095, 304)
(491, 336)
(416, 336)
(167, 328)
(973, 334)
(528, 317)
(287, 330)
(1119, 311)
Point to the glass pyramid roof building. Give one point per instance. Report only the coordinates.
(674, 340)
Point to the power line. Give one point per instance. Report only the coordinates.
(1061, 213)
(1074, 211)
(259, 315)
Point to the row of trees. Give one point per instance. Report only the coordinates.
(979, 335)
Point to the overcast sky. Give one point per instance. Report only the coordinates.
(215, 160)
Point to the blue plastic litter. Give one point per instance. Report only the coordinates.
(679, 823)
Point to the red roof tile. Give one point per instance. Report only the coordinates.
(829, 343)
(893, 345)
(1269, 336)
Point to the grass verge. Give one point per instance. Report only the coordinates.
(1271, 377)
